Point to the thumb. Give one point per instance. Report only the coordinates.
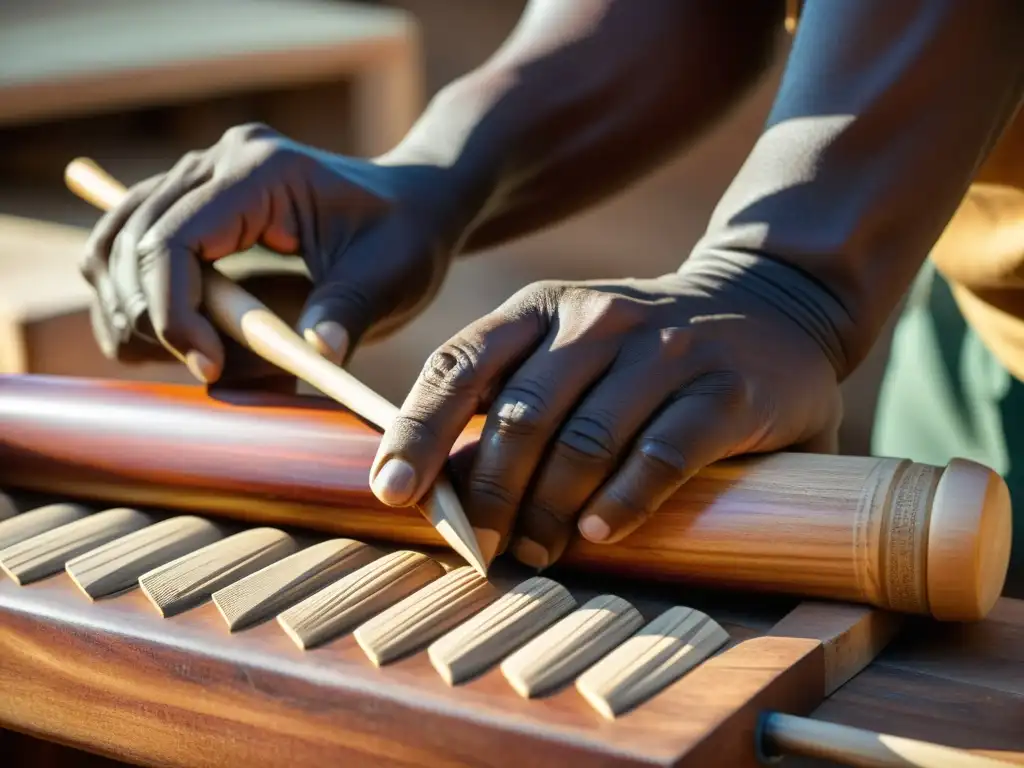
(361, 289)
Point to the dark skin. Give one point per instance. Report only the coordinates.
(604, 397)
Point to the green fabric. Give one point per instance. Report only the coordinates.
(944, 396)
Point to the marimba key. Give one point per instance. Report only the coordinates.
(425, 615)
(190, 580)
(32, 523)
(659, 654)
(353, 599)
(564, 650)
(515, 617)
(278, 586)
(46, 553)
(116, 566)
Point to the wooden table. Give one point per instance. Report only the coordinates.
(958, 685)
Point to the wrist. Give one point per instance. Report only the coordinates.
(789, 291)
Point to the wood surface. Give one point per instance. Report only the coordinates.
(185, 691)
(837, 527)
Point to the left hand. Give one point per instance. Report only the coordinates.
(603, 398)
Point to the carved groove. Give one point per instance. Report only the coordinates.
(116, 566)
(264, 594)
(425, 615)
(184, 583)
(28, 524)
(485, 639)
(656, 656)
(46, 553)
(350, 601)
(570, 646)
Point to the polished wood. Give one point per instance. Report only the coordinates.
(185, 692)
(878, 531)
(249, 322)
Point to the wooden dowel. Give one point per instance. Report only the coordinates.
(252, 324)
(783, 734)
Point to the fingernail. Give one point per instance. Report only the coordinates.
(330, 340)
(529, 552)
(594, 529)
(200, 366)
(395, 482)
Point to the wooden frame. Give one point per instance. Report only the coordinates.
(114, 678)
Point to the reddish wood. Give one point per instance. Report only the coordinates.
(115, 678)
(847, 528)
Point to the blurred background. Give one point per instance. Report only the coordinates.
(136, 83)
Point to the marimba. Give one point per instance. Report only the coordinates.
(178, 600)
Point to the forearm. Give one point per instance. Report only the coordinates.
(583, 98)
(885, 113)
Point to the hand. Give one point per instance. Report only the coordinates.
(603, 398)
(375, 238)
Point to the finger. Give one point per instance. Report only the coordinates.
(707, 422)
(525, 416)
(220, 217)
(446, 395)
(124, 267)
(591, 443)
(111, 327)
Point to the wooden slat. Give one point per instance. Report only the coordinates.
(354, 598)
(517, 616)
(571, 645)
(117, 565)
(190, 580)
(45, 554)
(659, 654)
(425, 615)
(260, 596)
(36, 521)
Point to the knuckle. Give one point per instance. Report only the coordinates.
(563, 515)
(486, 488)
(522, 407)
(661, 457)
(728, 388)
(452, 367)
(589, 437)
(674, 342)
(90, 263)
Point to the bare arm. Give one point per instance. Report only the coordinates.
(584, 97)
(885, 113)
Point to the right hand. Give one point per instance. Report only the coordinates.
(375, 238)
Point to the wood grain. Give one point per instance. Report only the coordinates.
(660, 653)
(28, 524)
(264, 594)
(485, 639)
(117, 565)
(191, 579)
(425, 615)
(184, 693)
(46, 553)
(565, 649)
(353, 599)
(836, 527)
